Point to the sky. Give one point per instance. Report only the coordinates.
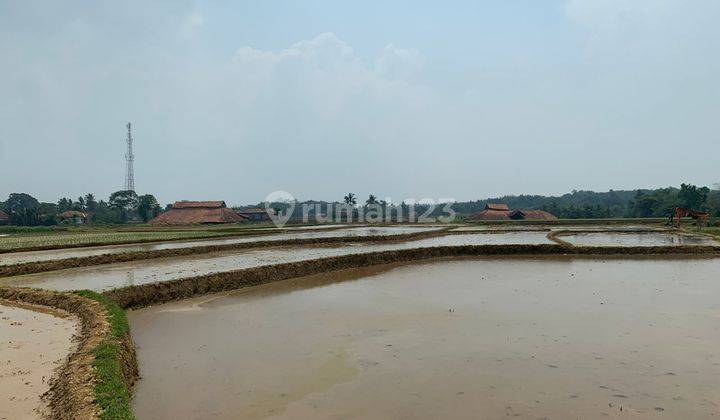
(233, 100)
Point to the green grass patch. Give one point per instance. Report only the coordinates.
(713, 230)
(30, 229)
(111, 392)
(117, 318)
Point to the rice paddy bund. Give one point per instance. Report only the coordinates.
(474, 321)
(65, 240)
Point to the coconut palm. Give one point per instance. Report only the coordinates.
(350, 199)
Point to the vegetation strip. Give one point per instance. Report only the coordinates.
(161, 292)
(156, 237)
(52, 265)
(97, 378)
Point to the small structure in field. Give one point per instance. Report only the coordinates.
(4, 218)
(197, 212)
(492, 211)
(497, 211)
(74, 217)
(257, 214)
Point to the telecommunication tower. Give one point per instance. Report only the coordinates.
(129, 159)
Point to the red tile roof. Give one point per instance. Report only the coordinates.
(497, 206)
(197, 215)
(198, 204)
(502, 212)
(491, 215)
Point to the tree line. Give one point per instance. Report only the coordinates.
(574, 205)
(121, 207)
(126, 206)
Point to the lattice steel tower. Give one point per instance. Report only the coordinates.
(129, 159)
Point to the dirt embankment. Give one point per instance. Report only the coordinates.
(154, 293)
(43, 266)
(271, 230)
(72, 387)
(73, 390)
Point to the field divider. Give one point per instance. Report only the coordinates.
(93, 260)
(95, 381)
(207, 235)
(138, 296)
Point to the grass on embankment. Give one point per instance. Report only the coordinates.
(112, 393)
(714, 230)
(62, 240)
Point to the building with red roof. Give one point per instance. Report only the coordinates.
(497, 211)
(197, 212)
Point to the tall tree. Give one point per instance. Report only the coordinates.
(148, 207)
(22, 209)
(125, 202)
(64, 204)
(692, 197)
(371, 200)
(350, 199)
(90, 202)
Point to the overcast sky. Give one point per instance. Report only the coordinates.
(406, 99)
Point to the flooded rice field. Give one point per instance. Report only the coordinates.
(314, 227)
(105, 277)
(464, 338)
(636, 239)
(508, 238)
(491, 228)
(548, 227)
(354, 232)
(33, 342)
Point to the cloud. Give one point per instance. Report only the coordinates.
(612, 16)
(228, 119)
(194, 20)
(398, 63)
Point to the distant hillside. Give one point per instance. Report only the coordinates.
(583, 204)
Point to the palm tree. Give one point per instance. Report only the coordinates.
(350, 199)
(371, 200)
(90, 203)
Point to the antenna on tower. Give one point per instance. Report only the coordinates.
(129, 158)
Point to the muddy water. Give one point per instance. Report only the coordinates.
(530, 227)
(312, 227)
(483, 338)
(636, 239)
(58, 254)
(110, 276)
(509, 238)
(32, 345)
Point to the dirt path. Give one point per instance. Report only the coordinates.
(34, 340)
